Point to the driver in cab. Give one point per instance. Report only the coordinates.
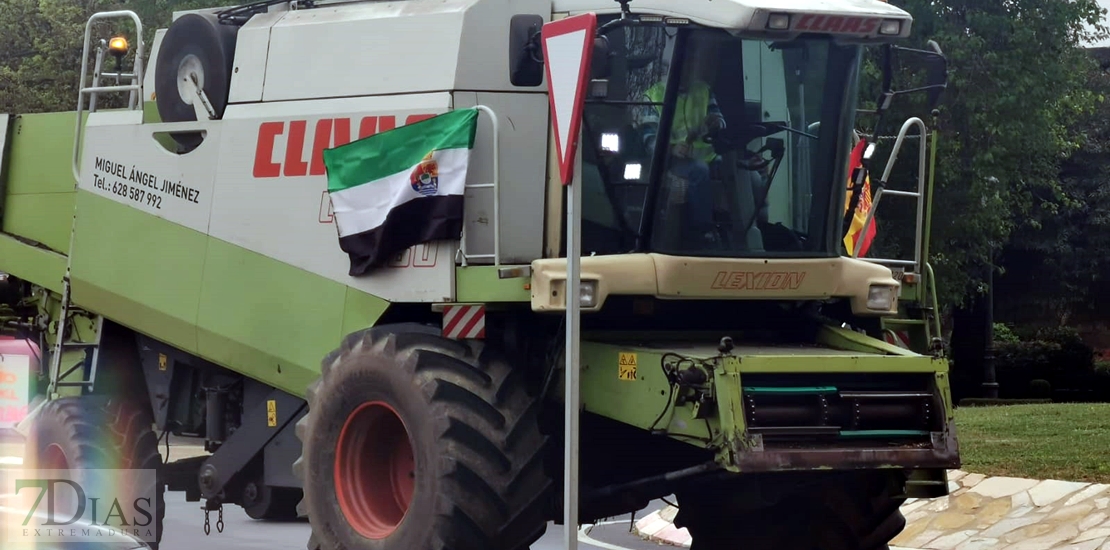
(696, 114)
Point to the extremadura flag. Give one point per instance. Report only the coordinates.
(393, 190)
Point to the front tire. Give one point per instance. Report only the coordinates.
(90, 435)
(414, 441)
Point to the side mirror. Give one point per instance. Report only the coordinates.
(936, 72)
(600, 68)
(934, 65)
(600, 64)
(525, 51)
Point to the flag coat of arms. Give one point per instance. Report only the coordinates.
(864, 206)
(394, 190)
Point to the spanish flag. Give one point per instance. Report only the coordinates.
(860, 215)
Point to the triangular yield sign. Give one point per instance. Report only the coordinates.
(568, 52)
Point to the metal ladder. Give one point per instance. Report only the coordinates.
(62, 342)
(912, 270)
(462, 256)
(915, 265)
(135, 89)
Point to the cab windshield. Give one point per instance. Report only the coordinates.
(700, 143)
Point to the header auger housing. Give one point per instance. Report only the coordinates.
(736, 340)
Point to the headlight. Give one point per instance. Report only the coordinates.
(778, 21)
(587, 293)
(880, 297)
(890, 27)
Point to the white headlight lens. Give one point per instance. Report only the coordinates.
(880, 297)
(891, 27)
(778, 21)
(587, 293)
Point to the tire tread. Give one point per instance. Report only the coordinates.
(495, 492)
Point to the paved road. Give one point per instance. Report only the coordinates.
(185, 531)
(185, 520)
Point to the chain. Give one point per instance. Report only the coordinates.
(219, 520)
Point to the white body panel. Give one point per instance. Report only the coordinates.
(524, 120)
(252, 44)
(285, 218)
(144, 175)
(280, 217)
(389, 47)
(148, 67)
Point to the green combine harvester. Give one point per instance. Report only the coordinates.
(173, 249)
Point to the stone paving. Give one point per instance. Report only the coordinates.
(981, 513)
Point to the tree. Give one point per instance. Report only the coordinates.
(40, 63)
(1054, 271)
(1017, 85)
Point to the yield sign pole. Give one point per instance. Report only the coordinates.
(567, 51)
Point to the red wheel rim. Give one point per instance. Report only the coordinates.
(375, 470)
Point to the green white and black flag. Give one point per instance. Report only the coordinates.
(393, 190)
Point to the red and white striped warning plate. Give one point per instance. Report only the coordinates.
(461, 322)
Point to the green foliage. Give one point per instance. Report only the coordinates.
(1017, 86)
(41, 59)
(1056, 270)
(1004, 334)
(1045, 359)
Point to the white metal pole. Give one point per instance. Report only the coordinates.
(570, 467)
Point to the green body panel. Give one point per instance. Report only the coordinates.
(623, 378)
(480, 284)
(32, 263)
(153, 285)
(261, 317)
(38, 201)
(268, 320)
(26, 214)
(640, 402)
(840, 363)
(361, 310)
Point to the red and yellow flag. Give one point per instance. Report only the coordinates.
(864, 206)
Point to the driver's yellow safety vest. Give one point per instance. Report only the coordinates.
(690, 112)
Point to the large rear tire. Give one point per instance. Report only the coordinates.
(414, 441)
(90, 436)
(855, 511)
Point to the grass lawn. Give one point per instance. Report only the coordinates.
(1070, 442)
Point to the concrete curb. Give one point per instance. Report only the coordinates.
(658, 527)
(980, 513)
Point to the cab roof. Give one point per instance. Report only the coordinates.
(846, 18)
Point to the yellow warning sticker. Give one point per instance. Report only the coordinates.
(626, 366)
(271, 413)
(162, 361)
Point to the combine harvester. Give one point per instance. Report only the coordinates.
(184, 273)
